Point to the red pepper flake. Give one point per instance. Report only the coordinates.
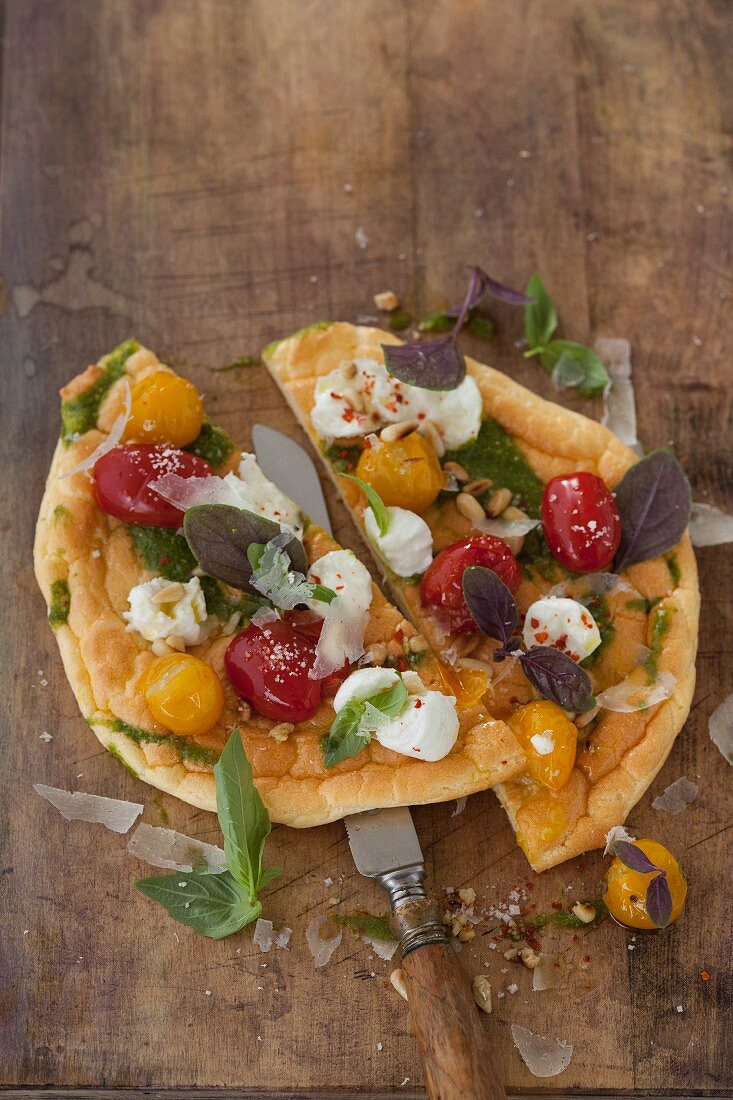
(541, 636)
(557, 906)
(704, 975)
(418, 704)
(164, 560)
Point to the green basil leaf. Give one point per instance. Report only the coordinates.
(540, 317)
(376, 503)
(254, 554)
(345, 738)
(268, 874)
(213, 905)
(320, 592)
(594, 378)
(436, 322)
(244, 820)
(391, 701)
(219, 536)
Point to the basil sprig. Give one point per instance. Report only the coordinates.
(658, 900)
(553, 674)
(377, 505)
(355, 723)
(583, 368)
(218, 904)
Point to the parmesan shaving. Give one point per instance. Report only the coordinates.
(634, 693)
(459, 806)
(542, 1057)
(188, 492)
(384, 948)
(113, 813)
(550, 973)
(322, 949)
(174, 851)
(619, 403)
(720, 727)
(507, 528)
(677, 796)
(567, 373)
(709, 526)
(266, 936)
(112, 439)
(263, 616)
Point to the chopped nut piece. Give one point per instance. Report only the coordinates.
(433, 436)
(244, 709)
(282, 731)
(529, 957)
(378, 652)
(386, 300)
(176, 642)
(396, 431)
(467, 894)
(514, 542)
(469, 507)
(466, 934)
(498, 501)
(397, 978)
(456, 470)
(160, 648)
(417, 644)
(172, 592)
(481, 989)
(584, 912)
(349, 369)
(511, 953)
(476, 488)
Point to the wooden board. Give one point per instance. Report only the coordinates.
(194, 173)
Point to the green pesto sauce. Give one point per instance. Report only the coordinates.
(343, 458)
(317, 326)
(212, 444)
(157, 801)
(218, 605)
(674, 569)
(59, 513)
(494, 454)
(243, 361)
(186, 749)
(164, 551)
(114, 751)
(479, 326)
(365, 924)
(58, 611)
(643, 604)
(399, 320)
(601, 612)
(660, 628)
(535, 558)
(435, 323)
(79, 414)
(565, 918)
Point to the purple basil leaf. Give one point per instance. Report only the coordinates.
(633, 857)
(219, 536)
(431, 364)
(558, 678)
(481, 284)
(654, 501)
(492, 606)
(659, 901)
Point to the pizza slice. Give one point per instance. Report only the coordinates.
(211, 602)
(454, 488)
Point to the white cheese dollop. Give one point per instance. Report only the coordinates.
(351, 402)
(562, 623)
(346, 617)
(407, 548)
(182, 616)
(427, 727)
(257, 493)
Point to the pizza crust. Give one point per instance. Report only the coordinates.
(625, 752)
(76, 542)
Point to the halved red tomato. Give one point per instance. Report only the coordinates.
(581, 522)
(268, 666)
(122, 482)
(442, 585)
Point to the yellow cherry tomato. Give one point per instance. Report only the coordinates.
(626, 889)
(405, 472)
(165, 409)
(468, 685)
(184, 693)
(550, 757)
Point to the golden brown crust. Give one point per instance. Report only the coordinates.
(624, 752)
(77, 543)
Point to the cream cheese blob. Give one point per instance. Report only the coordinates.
(161, 609)
(255, 492)
(562, 623)
(407, 548)
(427, 727)
(361, 396)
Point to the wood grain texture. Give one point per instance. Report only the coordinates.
(178, 170)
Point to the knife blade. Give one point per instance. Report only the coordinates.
(292, 469)
(454, 1047)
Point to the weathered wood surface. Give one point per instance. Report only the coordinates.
(178, 170)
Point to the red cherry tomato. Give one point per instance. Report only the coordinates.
(122, 477)
(268, 666)
(581, 522)
(442, 585)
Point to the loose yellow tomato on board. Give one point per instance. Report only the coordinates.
(550, 740)
(405, 472)
(184, 693)
(165, 409)
(626, 889)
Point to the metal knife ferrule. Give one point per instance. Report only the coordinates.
(416, 919)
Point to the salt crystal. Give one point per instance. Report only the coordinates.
(709, 526)
(379, 1046)
(113, 813)
(677, 796)
(361, 238)
(174, 851)
(46, 736)
(720, 726)
(321, 949)
(328, 881)
(680, 1008)
(543, 1057)
(513, 988)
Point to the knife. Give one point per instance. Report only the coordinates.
(454, 1046)
(292, 469)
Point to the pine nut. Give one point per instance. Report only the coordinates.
(584, 912)
(244, 710)
(160, 648)
(282, 731)
(433, 436)
(386, 300)
(394, 432)
(514, 542)
(469, 507)
(456, 470)
(397, 978)
(476, 488)
(466, 934)
(498, 501)
(172, 592)
(529, 957)
(417, 644)
(176, 642)
(481, 989)
(511, 953)
(378, 652)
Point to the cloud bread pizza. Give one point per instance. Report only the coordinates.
(211, 602)
(491, 514)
